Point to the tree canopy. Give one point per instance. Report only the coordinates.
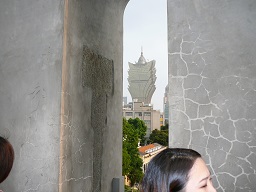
(160, 137)
(133, 131)
(140, 127)
(165, 127)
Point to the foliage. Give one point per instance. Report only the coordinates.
(126, 161)
(129, 189)
(129, 140)
(160, 137)
(139, 126)
(136, 173)
(132, 163)
(165, 127)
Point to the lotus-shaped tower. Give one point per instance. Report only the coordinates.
(142, 78)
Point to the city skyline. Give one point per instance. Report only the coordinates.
(145, 27)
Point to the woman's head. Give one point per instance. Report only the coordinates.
(171, 171)
(6, 158)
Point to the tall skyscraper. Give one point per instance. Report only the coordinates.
(124, 101)
(142, 78)
(166, 105)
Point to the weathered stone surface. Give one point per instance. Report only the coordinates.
(212, 51)
(58, 117)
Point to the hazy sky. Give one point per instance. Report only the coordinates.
(145, 25)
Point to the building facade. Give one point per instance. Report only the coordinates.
(148, 152)
(124, 101)
(142, 78)
(162, 123)
(144, 112)
(166, 106)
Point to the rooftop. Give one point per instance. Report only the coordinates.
(142, 59)
(149, 148)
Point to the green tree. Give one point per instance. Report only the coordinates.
(129, 140)
(165, 127)
(132, 163)
(130, 189)
(135, 175)
(160, 137)
(140, 127)
(126, 161)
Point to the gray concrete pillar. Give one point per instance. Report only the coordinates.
(212, 86)
(60, 93)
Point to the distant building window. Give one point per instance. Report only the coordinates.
(153, 149)
(147, 122)
(138, 114)
(147, 114)
(128, 114)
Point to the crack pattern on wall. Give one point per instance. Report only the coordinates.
(212, 109)
(37, 166)
(74, 146)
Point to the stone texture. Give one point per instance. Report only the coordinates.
(212, 55)
(30, 91)
(47, 100)
(58, 117)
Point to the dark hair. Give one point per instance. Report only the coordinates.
(168, 171)
(6, 158)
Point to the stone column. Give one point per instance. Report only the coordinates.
(212, 86)
(51, 103)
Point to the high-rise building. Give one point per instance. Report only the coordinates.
(166, 106)
(124, 101)
(142, 78)
(162, 122)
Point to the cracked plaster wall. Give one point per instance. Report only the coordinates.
(51, 105)
(212, 86)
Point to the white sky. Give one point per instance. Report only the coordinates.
(145, 25)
